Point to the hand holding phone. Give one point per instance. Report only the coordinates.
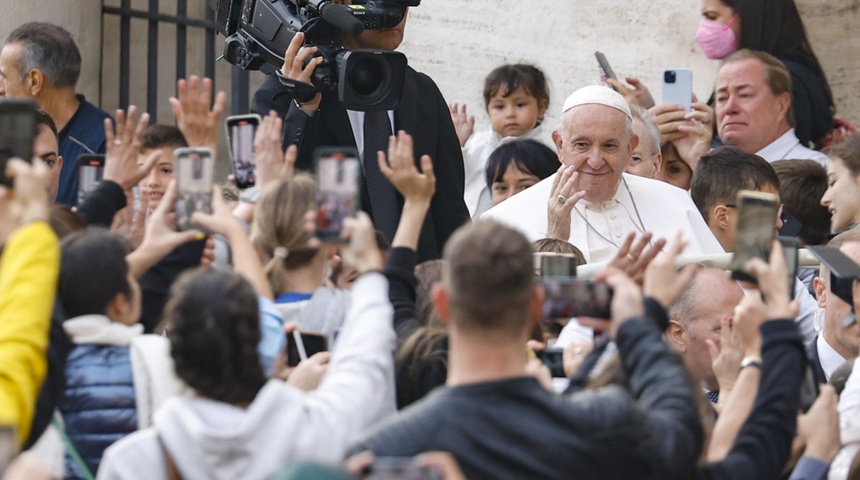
(194, 181)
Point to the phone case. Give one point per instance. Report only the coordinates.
(679, 91)
(755, 230)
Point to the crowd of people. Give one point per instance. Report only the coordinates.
(130, 348)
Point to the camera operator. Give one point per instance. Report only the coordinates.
(422, 113)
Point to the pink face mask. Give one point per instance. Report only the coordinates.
(716, 39)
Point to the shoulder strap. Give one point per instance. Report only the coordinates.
(172, 471)
(70, 448)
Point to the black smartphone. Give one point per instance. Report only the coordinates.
(790, 246)
(400, 468)
(301, 345)
(240, 136)
(337, 171)
(605, 69)
(756, 229)
(568, 298)
(17, 133)
(555, 265)
(91, 169)
(553, 358)
(195, 170)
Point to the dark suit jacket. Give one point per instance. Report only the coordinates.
(815, 362)
(423, 113)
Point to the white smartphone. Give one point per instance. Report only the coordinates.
(678, 86)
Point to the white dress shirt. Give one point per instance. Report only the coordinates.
(828, 357)
(788, 147)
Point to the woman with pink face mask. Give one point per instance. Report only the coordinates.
(775, 27)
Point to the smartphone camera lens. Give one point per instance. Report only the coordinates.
(669, 76)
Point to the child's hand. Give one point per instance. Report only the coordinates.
(463, 123)
(415, 186)
(195, 119)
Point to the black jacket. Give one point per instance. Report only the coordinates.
(423, 113)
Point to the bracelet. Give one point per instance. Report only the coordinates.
(751, 362)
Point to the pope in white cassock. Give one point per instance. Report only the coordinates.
(590, 201)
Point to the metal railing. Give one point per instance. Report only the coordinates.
(239, 88)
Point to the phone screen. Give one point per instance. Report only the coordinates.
(755, 231)
(17, 133)
(241, 131)
(337, 181)
(568, 298)
(554, 265)
(90, 172)
(301, 345)
(194, 180)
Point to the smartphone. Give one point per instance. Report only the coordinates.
(301, 345)
(678, 87)
(337, 171)
(790, 246)
(17, 133)
(568, 298)
(240, 136)
(605, 69)
(553, 358)
(755, 231)
(91, 169)
(400, 468)
(195, 171)
(555, 265)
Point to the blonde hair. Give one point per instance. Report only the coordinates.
(279, 229)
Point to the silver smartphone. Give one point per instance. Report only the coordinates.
(678, 87)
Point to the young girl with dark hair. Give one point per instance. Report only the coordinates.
(516, 166)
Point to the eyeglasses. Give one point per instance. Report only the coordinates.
(779, 209)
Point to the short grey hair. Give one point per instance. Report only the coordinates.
(650, 123)
(49, 48)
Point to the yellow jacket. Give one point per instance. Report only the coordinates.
(28, 282)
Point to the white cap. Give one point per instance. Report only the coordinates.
(598, 94)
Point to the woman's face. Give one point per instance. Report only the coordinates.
(513, 182)
(842, 197)
(719, 11)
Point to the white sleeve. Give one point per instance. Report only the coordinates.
(849, 425)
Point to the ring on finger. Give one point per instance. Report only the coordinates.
(561, 199)
(631, 258)
(117, 142)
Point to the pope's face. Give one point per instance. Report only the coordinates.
(596, 141)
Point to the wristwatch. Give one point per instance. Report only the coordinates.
(751, 361)
(250, 195)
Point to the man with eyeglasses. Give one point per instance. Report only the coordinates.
(718, 178)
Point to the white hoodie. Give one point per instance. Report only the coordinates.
(214, 440)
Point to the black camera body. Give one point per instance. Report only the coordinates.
(259, 31)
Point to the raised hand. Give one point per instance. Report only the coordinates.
(662, 280)
(633, 259)
(416, 187)
(638, 95)
(272, 162)
(195, 118)
(294, 66)
(697, 134)
(726, 358)
(464, 124)
(561, 201)
(123, 149)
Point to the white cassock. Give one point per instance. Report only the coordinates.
(598, 229)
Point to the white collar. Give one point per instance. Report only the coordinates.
(100, 330)
(780, 148)
(829, 358)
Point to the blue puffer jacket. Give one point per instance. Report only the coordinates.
(99, 403)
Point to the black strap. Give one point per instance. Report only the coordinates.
(299, 91)
(383, 195)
